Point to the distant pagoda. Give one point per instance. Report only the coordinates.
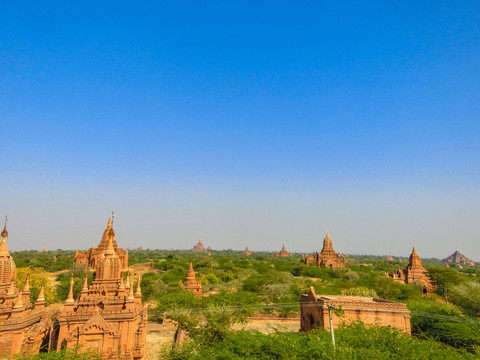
(246, 252)
(458, 258)
(198, 248)
(327, 257)
(283, 252)
(413, 273)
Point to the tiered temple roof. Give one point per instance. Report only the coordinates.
(92, 255)
(327, 257)
(109, 316)
(23, 330)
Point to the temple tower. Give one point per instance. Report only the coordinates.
(23, 330)
(327, 257)
(109, 316)
(93, 255)
(413, 273)
(191, 284)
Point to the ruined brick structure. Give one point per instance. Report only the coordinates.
(283, 252)
(372, 311)
(92, 255)
(327, 257)
(191, 284)
(246, 252)
(23, 330)
(413, 274)
(109, 317)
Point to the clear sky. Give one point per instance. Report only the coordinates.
(242, 123)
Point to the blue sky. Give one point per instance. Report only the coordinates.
(256, 123)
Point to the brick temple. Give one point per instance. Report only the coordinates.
(413, 274)
(369, 310)
(109, 317)
(92, 255)
(23, 329)
(246, 252)
(327, 257)
(199, 247)
(282, 253)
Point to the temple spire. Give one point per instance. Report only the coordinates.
(70, 293)
(85, 284)
(190, 271)
(414, 259)
(40, 303)
(327, 244)
(139, 290)
(131, 296)
(122, 285)
(4, 234)
(11, 289)
(19, 303)
(127, 282)
(26, 288)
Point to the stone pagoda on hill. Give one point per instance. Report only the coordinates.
(327, 257)
(283, 252)
(109, 317)
(92, 255)
(246, 252)
(191, 284)
(413, 273)
(23, 330)
(458, 258)
(199, 247)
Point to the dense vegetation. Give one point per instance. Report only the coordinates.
(352, 342)
(239, 286)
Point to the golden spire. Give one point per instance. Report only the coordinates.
(110, 242)
(4, 232)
